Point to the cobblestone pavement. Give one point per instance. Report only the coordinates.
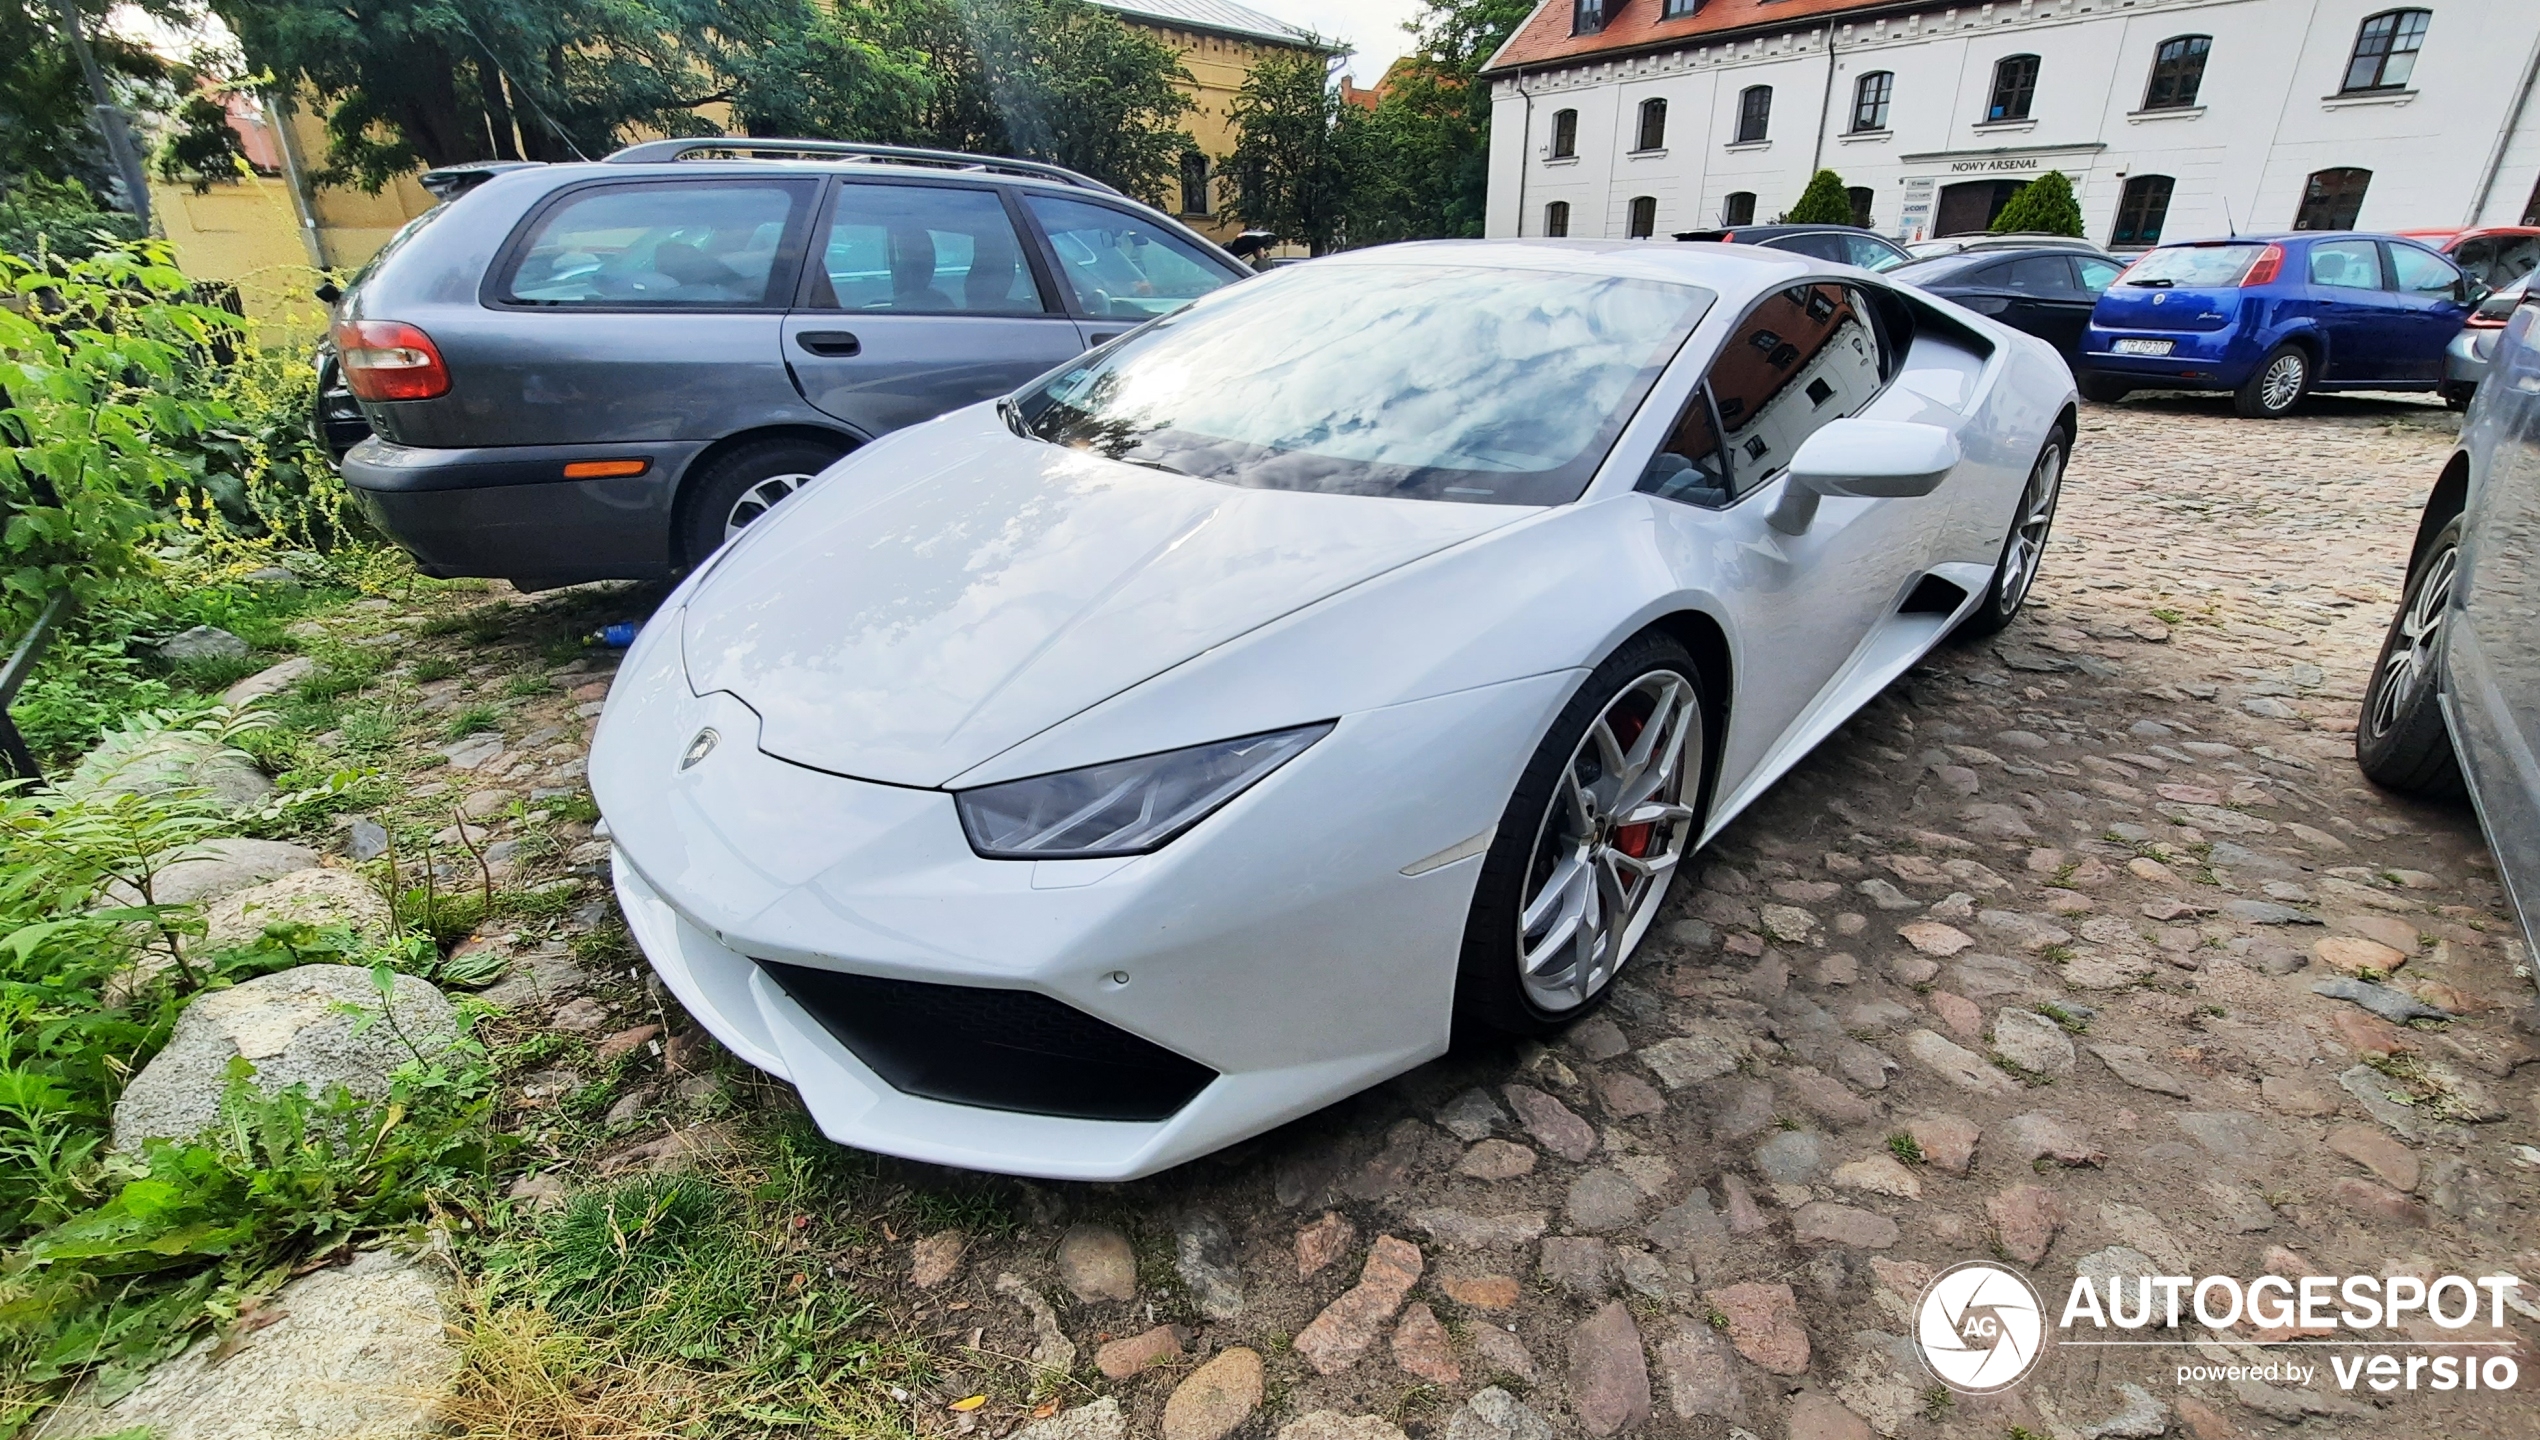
(2024, 963)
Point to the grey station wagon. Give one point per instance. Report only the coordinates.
(602, 371)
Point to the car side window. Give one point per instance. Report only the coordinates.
(922, 248)
(1801, 359)
(1867, 253)
(2097, 274)
(2420, 272)
(1690, 467)
(2346, 265)
(1119, 266)
(1815, 244)
(2041, 275)
(670, 245)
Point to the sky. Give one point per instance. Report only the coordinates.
(1371, 28)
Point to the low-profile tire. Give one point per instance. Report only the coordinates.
(2457, 394)
(2400, 740)
(1601, 818)
(739, 486)
(2102, 389)
(2277, 387)
(2024, 545)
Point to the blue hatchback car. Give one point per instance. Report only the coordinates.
(2272, 318)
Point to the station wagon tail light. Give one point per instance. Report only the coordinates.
(2263, 270)
(389, 360)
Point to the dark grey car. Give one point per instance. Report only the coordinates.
(2453, 705)
(601, 371)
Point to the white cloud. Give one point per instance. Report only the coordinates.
(1371, 28)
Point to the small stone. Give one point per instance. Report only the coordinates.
(1321, 1243)
(1822, 1222)
(1886, 896)
(624, 1042)
(1788, 924)
(1095, 1262)
(2132, 1065)
(1420, 1347)
(1701, 1372)
(1880, 1175)
(582, 1015)
(2395, 1006)
(1930, 937)
(1744, 1218)
(2032, 1042)
(1826, 1098)
(2398, 934)
(1597, 1038)
(542, 1191)
(2140, 1418)
(1503, 1354)
(1497, 1160)
(1912, 969)
(629, 1107)
(2395, 1163)
(1691, 1059)
(1463, 1230)
(1481, 1292)
(2378, 1202)
(2298, 1095)
(1818, 1416)
(1578, 1265)
(1552, 1123)
(1948, 1142)
(1333, 1425)
(1959, 1013)
(936, 1259)
(2203, 1421)
(1957, 1066)
(1334, 1339)
(1216, 1397)
(1627, 1096)
(1609, 1375)
(2025, 1219)
(1123, 1358)
(1603, 1199)
(1494, 1414)
(1100, 1420)
(1204, 1256)
(2370, 1036)
(2352, 954)
(2037, 1135)
(1764, 1325)
(1472, 1116)
(202, 642)
(1687, 1224)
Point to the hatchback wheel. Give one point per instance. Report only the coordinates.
(1588, 846)
(2279, 383)
(732, 493)
(2400, 740)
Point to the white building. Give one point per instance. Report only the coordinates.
(2174, 118)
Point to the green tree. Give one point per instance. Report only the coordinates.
(1420, 163)
(202, 150)
(1824, 202)
(1292, 158)
(2044, 206)
(45, 126)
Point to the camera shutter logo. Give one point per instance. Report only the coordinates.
(1980, 1327)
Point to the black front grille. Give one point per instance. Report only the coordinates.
(997, 1049)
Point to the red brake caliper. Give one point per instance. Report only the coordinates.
(1632, 840)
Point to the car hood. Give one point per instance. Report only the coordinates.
(952, 591)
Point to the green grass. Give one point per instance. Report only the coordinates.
(470, 719)
(521, 687)
(1906, 1148)
(2072, 1023)
(433, 667)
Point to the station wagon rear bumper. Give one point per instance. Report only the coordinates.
(512, 513)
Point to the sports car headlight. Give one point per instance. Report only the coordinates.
(1122, 807)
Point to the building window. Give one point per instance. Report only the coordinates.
(2141, 211)
(1754, 113)
(1869, 100)
(2386, 50)
(1194, 183)
(1861, 197)
(1679, 9)
(1653, 125)
(1644, 218)
(2178, 68)
(2332, 199)
(1738, 208)
(1565, 134)
(1556, 219)
(1587, 16)
(2014, 86)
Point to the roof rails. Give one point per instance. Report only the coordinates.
(656, 151)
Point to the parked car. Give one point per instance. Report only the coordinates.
(2272, 318)
(2045, 291)
(2467, 358)
(2015, 240)
(2495, 254)
(598, 371)
(2453, 704)
(1206, 731)
(1843, 244)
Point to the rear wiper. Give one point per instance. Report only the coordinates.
(2154, 284)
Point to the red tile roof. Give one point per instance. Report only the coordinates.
(1637, 25)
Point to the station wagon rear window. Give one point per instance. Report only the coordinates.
(645, 245)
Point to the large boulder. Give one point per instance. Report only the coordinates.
(318, 1025)
(216, 868)
(361, 1350)
(303, 897)
(202, 642)
(154, 761)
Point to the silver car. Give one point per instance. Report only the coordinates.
(2453, 706)
(603, 371)
(2466, 359)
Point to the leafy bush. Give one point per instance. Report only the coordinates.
(2044, 206)
(59, 218)
(1824, 202)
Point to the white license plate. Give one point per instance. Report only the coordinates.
(2144, 347)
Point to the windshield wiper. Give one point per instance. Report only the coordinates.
(2155, 284)
(1153, 465)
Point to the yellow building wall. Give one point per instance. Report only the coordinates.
(1219, 65)
(247, 233)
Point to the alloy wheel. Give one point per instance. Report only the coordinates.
(758, 500)
(2283, 383)
(2022, 557)
(2409, 666)
(1609, 841)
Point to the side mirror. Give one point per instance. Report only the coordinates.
(1873, 459)
(328, 292)
(2474, 291)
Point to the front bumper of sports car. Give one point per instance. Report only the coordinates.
(1068, 1019)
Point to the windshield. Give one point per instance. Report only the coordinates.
(1435, 383)
(2195, 266)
